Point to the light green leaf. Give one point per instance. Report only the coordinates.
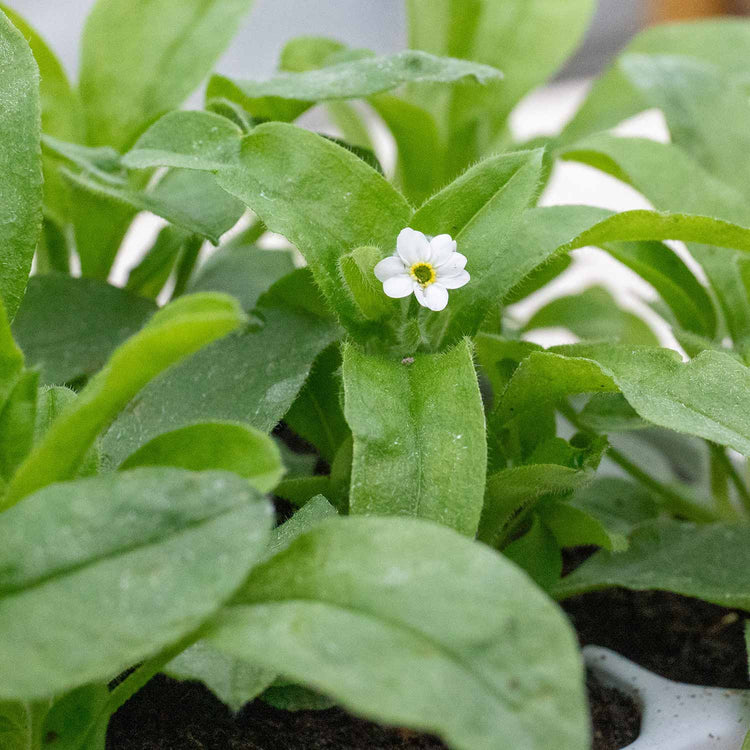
(501, 33)
(300, 490)
(419, 441)
(148, 278)
(75, 720)
(156, 552)
(574, 527)
(250, 377)
(69, 326)
(187, 198)
(214, 446)
(11, 357)
(723, 42)
(426, 668)
(322, 198)
(189, 140)
(244, 271)
(169, 45)
(317, 510)
(594, 314)
(20, 164)
(177, 330)
(708, 562)
(287, 95)
(233, 681)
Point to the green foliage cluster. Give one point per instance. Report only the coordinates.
(453, 460)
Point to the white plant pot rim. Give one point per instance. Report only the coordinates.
(674, 715)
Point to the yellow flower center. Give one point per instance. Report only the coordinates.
(423, 273)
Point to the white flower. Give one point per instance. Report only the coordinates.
(429, 268)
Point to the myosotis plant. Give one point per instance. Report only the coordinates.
(415, 584)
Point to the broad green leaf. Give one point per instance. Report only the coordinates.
(250, 377)
(481, 210)
(17, 423)
(214, 446)
(176, 331)
(51, 403)
(321, 197)
(498, 358)
(187, 198)
(426, 667)
(68, 327)
(538, 553)
(244, 271)
(619, 505)
(316, 414)
(574, 527)
(357, 272)
(594, 314)
(705, 397)
(288, 94)
(148, 278)
(723, 42)
(189, 140)
(156, 552)
(103, 161)
(300, 490)
(16, 732)
(708, 562)
(419, 440)
(518, 488)
(20, 164)
(233, 681)
(501, 33)
(169, 45)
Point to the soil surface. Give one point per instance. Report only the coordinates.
(682, 639)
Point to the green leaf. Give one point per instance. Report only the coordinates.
(151, 274)
(250, 377)
(177, 330)
(619, 505)
(723, 42)
(214, 446)
(516, 489)
(243, 271)
(316, 414)
(317, 510)
(20, 164)
(17, 423)
(322, 198)
(708, 562)
(75, 719)
(426, 668)
(357, 272)
(11, 357)
(187, 198)
(287, 95)
(189, 140)
(705, 396)
(419, 440)
(233, 681)
(156, 552)
(574, 527)
(480, 210)
(15, 725)
(170, 46)
(538, 553)
(501, 33)
(68, 327)
(594, 314)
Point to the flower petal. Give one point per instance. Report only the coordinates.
(442, 247)
(390, 266)
(436, 297)
(398, 286)
(412, 246)
(454, 282)
(454, 265)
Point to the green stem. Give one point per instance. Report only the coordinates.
(719, 454)
(674, 501)
(143, 673)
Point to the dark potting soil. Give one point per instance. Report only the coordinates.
(171, 715)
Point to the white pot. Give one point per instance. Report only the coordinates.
(675, 716)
